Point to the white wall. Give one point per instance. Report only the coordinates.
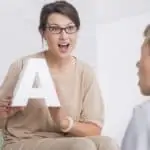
(118, 51)
(113, 10)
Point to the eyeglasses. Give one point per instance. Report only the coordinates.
(57, 30)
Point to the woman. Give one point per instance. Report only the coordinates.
(78, 123)
(137, 135)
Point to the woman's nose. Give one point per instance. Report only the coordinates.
(63, 35)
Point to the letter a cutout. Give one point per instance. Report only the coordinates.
(35, 68)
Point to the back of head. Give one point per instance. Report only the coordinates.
(146, 32)
(147, 40)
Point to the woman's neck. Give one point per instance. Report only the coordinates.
(57, 63)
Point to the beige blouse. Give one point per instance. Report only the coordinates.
(80, 96)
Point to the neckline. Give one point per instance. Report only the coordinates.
(50, 69)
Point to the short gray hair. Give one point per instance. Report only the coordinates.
(146, 32)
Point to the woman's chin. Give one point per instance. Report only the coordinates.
(64, 54)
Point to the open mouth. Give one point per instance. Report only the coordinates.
(63, 47)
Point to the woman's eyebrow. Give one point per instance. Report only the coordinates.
(55, 24)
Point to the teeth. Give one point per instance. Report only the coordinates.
(60, 45)
(63, 44)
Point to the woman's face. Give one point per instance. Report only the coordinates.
(144, 70)
(61, 35)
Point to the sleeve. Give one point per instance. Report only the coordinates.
(93, 106)
(9, 82)
(136, 135)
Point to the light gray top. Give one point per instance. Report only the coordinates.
(137, 135)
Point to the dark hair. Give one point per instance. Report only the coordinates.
(147, 31)
(61, 7)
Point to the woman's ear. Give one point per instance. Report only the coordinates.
(42, 34)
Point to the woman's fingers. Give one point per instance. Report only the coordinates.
(6, 109)
(2, 109)
(18, 108)
(5, 106)
(4, 103)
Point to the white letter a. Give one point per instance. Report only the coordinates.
(36, 70)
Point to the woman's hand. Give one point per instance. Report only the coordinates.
(59, 115)
(5, 108)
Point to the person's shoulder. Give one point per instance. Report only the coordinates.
(143, 107)
(140, 116)
(33, 55)
(23, 59)
(86, 73)
(86, 69)
(18, 63)
(142, 110)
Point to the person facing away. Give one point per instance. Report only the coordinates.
(137, 135)
(146, 32)
(78, 123)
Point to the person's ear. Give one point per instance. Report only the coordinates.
(42, 34)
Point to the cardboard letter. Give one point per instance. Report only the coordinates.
(37, 70)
